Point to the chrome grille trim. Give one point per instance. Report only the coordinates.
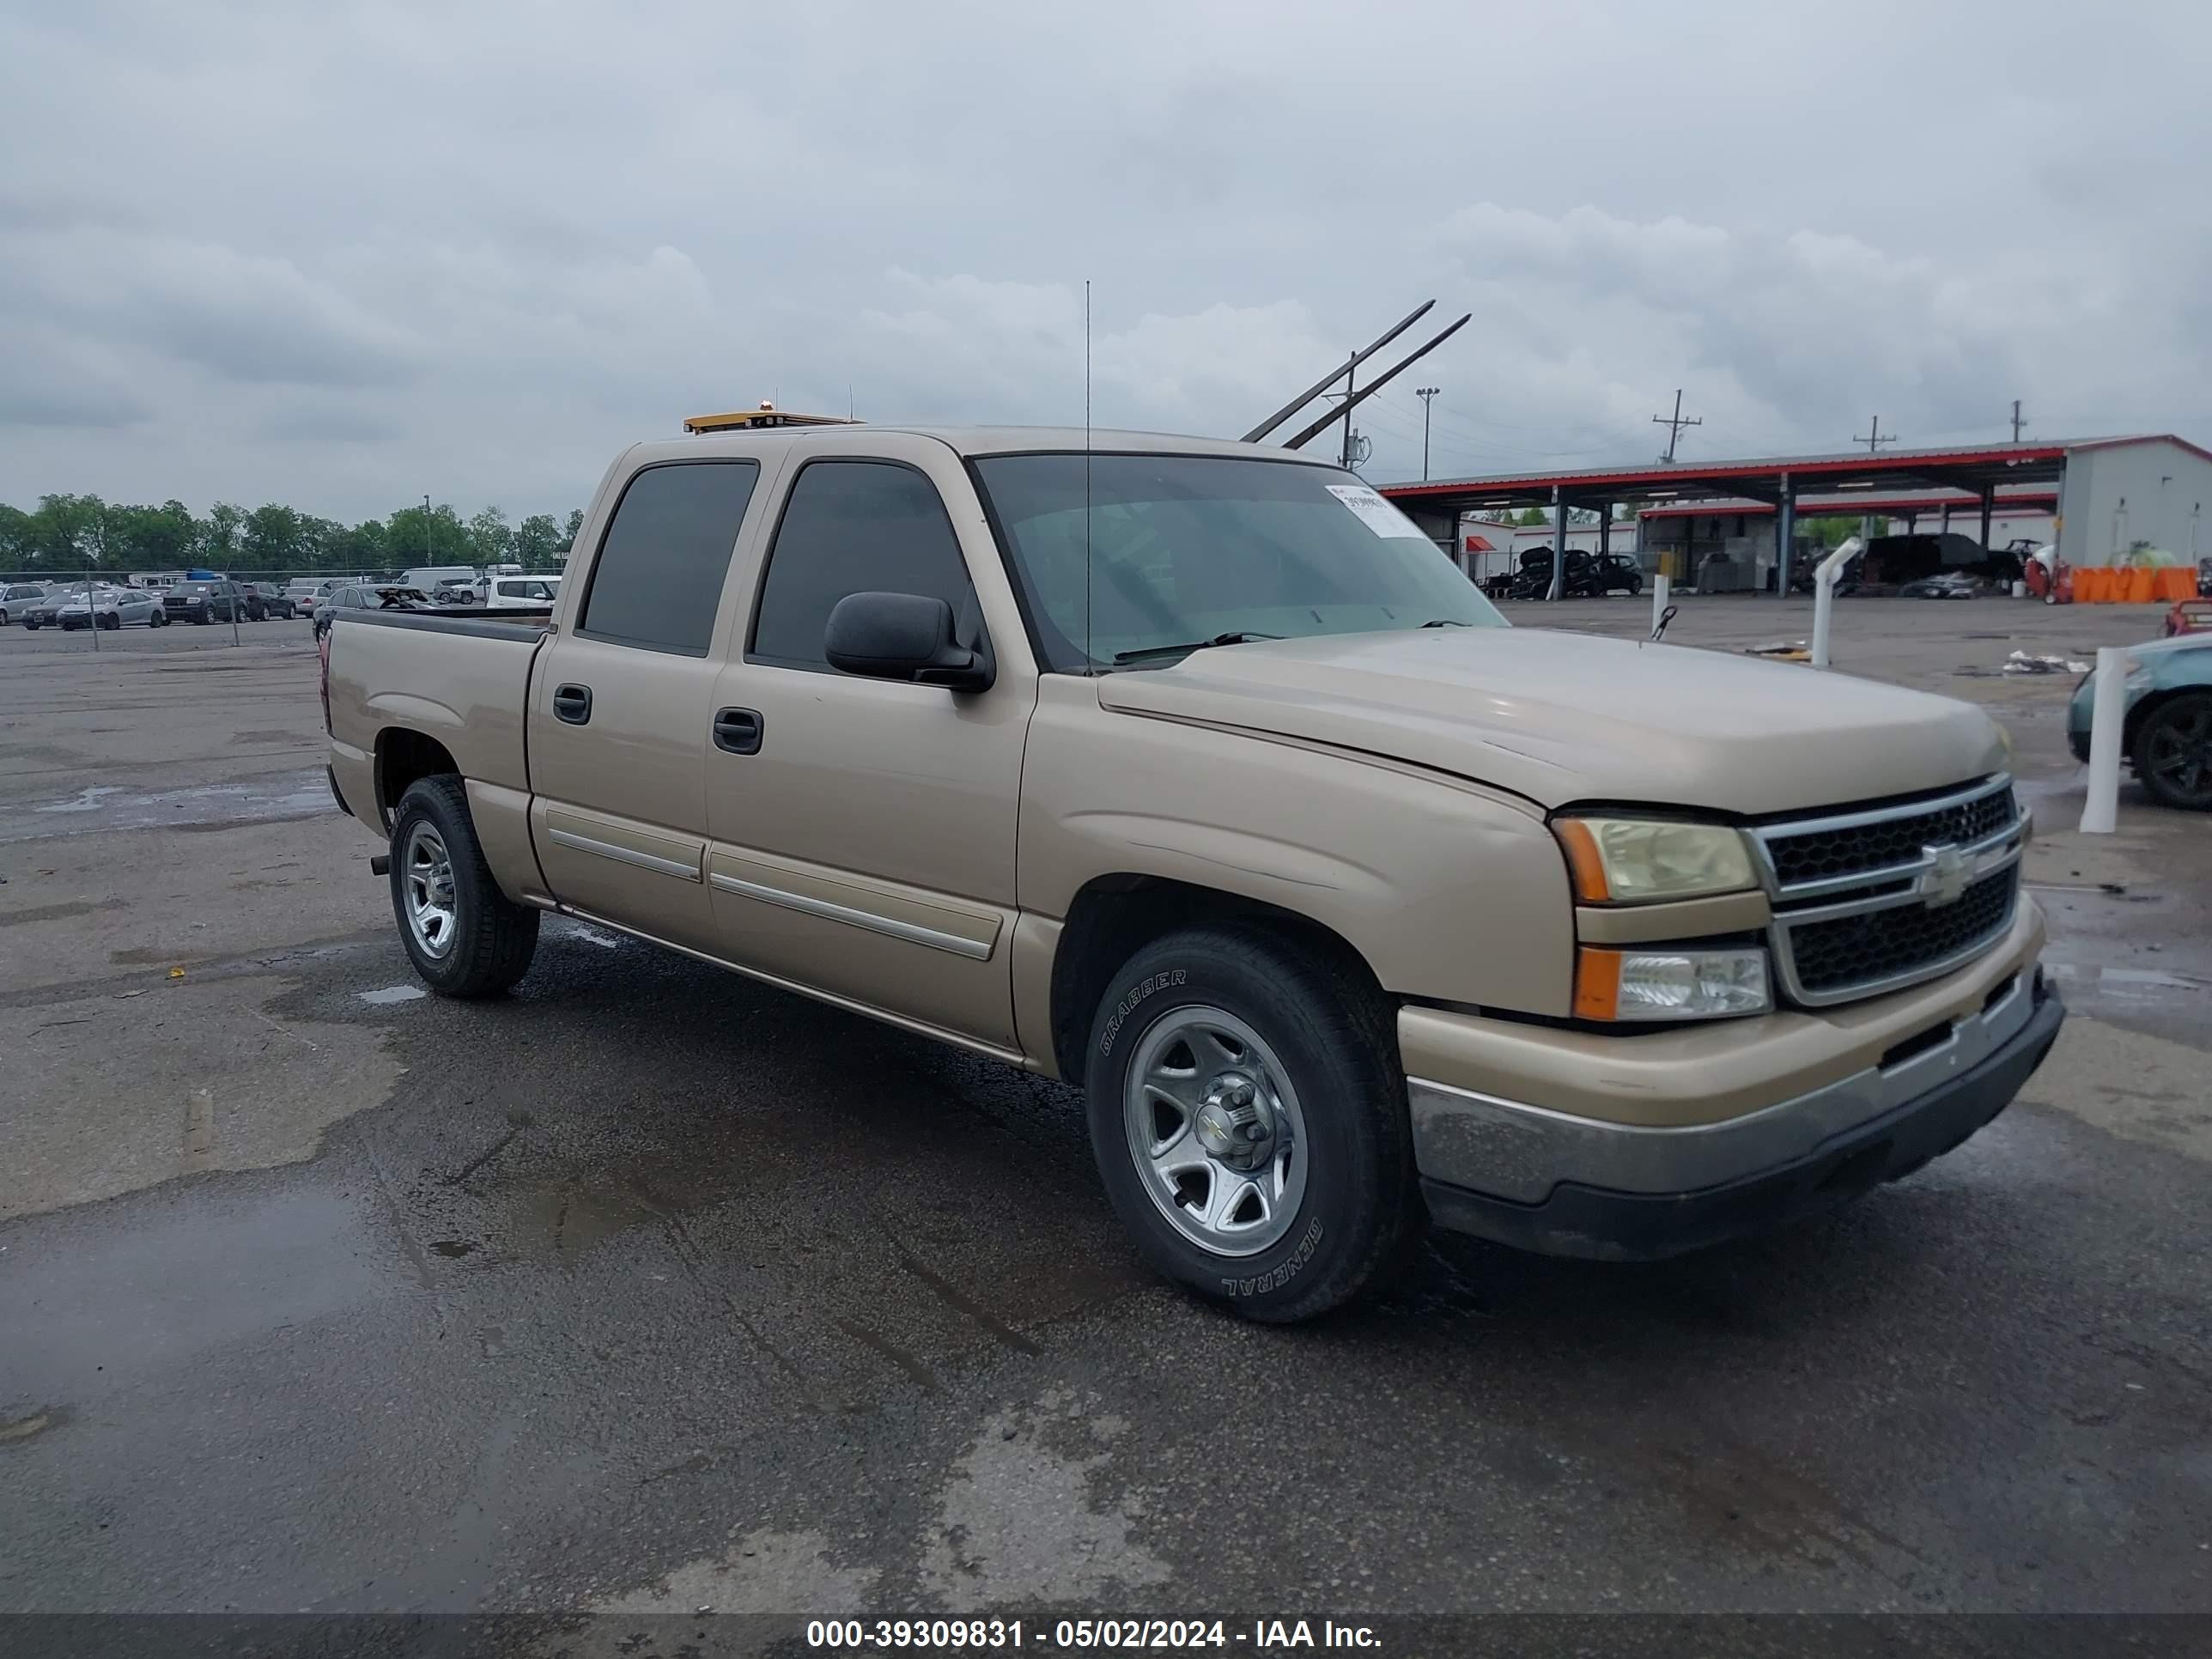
(1830, 898)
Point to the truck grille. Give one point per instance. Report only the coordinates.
(1878, 945)
(1870, 901)
(1884, 843)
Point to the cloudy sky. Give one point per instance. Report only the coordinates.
(342, 254)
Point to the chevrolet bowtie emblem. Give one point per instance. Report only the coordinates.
(1946, 880)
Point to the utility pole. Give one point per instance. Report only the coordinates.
(1351, 364)
(2016, 422)
(1425, 392)
(1674, 424)
(427, 558)
(1875, 436)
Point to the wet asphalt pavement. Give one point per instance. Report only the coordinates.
(651, 1289)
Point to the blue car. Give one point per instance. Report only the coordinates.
(2167, 735)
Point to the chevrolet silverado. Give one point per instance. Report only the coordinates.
(1190, 773)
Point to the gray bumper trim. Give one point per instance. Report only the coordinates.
(1513, 1149)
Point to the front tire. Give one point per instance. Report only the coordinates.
(2173, 753)
(1247, 1111)
(466, 938)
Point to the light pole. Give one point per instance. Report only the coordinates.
(1425, 392)
(427, 558)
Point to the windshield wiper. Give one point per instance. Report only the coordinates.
(1192, 645)
(1446, 621)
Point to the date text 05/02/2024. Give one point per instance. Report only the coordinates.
(989, 1635)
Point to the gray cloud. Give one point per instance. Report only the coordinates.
(341, 255)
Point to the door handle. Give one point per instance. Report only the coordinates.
(738, 730)
(572, 703)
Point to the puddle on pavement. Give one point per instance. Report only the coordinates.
(2145, 982)
(569, 1220)
(104, 808)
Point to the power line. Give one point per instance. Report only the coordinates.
(1675, 424)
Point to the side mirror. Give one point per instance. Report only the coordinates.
(903, 636)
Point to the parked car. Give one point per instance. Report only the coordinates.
(1949, 584)
(367, 596)
(456, 591)
(47, 612)
(112, 608)
(15, 598)
(1589, 576)
(276, 601)
(302, 592)
(523, 592)
(217, 600)
(2166, 735)
(1187, 772)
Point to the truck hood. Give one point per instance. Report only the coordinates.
(1562, 718)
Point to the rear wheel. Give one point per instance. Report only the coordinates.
(1249, 1117)
(2173, 753)
(466, 938)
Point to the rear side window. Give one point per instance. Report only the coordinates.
(664, 558)
(853, 527)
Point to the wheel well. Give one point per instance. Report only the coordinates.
(1114, 916)
(403, 756)
(2143, 710)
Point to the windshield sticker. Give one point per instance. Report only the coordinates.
(1377, 514)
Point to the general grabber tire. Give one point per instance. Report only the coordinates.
(1247, 1110)
(466, 938)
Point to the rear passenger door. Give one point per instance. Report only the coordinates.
(863, 829)
(620, 705)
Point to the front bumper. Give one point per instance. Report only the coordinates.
(1561, 1185)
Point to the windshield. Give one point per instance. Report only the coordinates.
(1186, 548)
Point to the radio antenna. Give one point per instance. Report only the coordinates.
(1088, 665)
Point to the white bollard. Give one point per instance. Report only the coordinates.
(1824, 579)
(2100, 808)
(1658, 599)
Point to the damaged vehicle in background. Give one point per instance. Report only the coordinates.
(1192, 773)
(2166, 735)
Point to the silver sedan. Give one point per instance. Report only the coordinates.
(111, 607)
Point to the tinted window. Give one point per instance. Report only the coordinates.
(661, 564)
(854, 527)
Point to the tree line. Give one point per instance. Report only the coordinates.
(70, 533)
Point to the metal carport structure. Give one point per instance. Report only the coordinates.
(1976, 471)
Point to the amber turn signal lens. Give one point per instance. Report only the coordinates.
(1597, 980)
(1584, 862)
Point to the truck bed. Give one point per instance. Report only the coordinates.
(456, 677)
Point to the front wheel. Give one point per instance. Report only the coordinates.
(466, 938)
(2173, 753)
(1248, 1112)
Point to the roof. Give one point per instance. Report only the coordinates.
(2010, 498)
(983, 441)
(1970, 467)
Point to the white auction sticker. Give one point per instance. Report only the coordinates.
(1377, 514)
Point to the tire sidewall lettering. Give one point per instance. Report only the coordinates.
(1167, 979)
(1276, 1278)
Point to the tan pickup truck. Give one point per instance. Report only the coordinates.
(1190, 773)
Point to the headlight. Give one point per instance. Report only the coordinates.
(1637, 861)
(1629, 985)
